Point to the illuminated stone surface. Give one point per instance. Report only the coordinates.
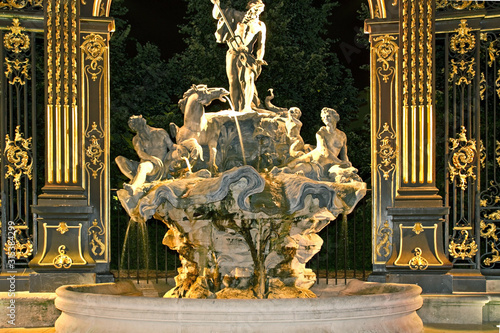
(359, 307)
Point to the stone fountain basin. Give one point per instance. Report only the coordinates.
(357, 307)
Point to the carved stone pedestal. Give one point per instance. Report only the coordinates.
(63, 238)
(418, 255)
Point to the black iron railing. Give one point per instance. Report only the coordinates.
(138, 252)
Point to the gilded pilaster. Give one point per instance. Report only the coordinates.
(95, 96)
(73, 223)
(63, 160)
(384, 86)
(417, 211)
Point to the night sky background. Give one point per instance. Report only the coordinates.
(158, 21)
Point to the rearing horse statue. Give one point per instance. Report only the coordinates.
(197, 125)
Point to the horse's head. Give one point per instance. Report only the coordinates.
(207, 95)
(204, 95)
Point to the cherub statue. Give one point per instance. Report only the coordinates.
(245, 36)
(152, 146)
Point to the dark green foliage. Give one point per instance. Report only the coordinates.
(302, 70)
(138, 86)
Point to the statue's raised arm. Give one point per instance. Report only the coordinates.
(245, 35)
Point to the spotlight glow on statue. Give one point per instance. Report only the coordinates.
(242, 195)
(245, 36)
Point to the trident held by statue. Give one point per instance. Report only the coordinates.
(234, 38)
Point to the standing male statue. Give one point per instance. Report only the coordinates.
(245, 36)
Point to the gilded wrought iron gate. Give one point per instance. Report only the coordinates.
(21, 123)
(468, 71)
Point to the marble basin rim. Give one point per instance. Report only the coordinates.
(357, 307)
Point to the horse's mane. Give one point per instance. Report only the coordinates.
(194, 89)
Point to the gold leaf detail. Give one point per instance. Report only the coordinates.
(14, 248)
(94, 150)
(385, 233)
(465, 249)
(63, 228)
(463, 41)
(97, 243)
(488, 230)
(418, 228)
(16, 41)
(462, 157)
(385, 49)
(62, 260)
(418, 262)
(21, 4)
(495, 257)
(94, 48)
(17, 153)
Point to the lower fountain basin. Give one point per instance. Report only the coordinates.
(357, 307)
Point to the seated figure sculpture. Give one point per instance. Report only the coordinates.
(293, 127)
(240, 230)
(152, 146)
(329, 158)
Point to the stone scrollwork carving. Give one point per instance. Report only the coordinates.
(463, 154)
(94, 48)
(242, 196)
(384, 245)
(18, 157)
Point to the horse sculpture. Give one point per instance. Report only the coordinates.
(197, 125)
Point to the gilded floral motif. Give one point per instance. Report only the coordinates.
(385, 49)
(458, 4)
(16, 41)
(461, 164)
(98, 246)
(418, 262)
(62, 260)
(18, 157)
(21, 4)
(418, 228)
(384, 245)
(465, 247)
(387, 151)
(19, 249)
(94, 48)
(94, 151)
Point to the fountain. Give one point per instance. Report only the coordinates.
(243, 198)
